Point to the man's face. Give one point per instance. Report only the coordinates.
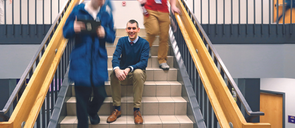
(132, 30)
(97, 3)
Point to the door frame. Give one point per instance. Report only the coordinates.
(280, 93)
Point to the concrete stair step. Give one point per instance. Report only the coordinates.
(157, 74)
(152, 62)
(151, 89)
(151, 121)
(150, 106)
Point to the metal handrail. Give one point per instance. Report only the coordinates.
(216, 56)
(29, 70)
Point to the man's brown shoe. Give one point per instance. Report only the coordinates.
(137, 117)
(113, 117)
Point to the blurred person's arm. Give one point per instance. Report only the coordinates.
(174, 9)
(120, 74)
(72, 26)
(109, 31)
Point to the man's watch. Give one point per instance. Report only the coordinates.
(130, 69)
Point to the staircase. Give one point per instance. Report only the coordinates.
(162, 103)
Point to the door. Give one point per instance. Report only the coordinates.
(272, 106)
(280, 12)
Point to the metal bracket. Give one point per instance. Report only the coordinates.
(231, 125)
(23, 124)
(250, 118)
(279, 5)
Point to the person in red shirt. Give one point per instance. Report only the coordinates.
(157, 21)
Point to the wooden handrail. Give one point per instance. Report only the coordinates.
(29, 105)
(211, 95)
(223, 104)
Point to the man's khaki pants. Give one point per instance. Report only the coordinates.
(136, 78)
(158, 23)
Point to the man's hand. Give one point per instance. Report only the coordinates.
(126, 71)
(142, 1)
(78, 26)
(120, 74)
(10, 1)
(174, 10)
(100, 32)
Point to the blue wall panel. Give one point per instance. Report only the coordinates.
(22, 34)
(250, 34)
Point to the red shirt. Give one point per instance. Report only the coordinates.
(152, 5)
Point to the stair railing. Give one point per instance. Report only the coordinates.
(44, 73)
(223, 70)
(211, 80)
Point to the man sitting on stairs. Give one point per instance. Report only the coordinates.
(129, 63)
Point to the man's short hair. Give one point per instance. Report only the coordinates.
(132, 21)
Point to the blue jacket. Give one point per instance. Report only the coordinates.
(288, 3)
(135, 55)
(88, 60)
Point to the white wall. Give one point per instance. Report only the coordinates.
(14, 59)
(227, 4)
(24, 8)
(122, 14)
(258, 60)
(286, 86)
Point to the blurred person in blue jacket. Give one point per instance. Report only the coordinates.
(88, 60)
(288, 4)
